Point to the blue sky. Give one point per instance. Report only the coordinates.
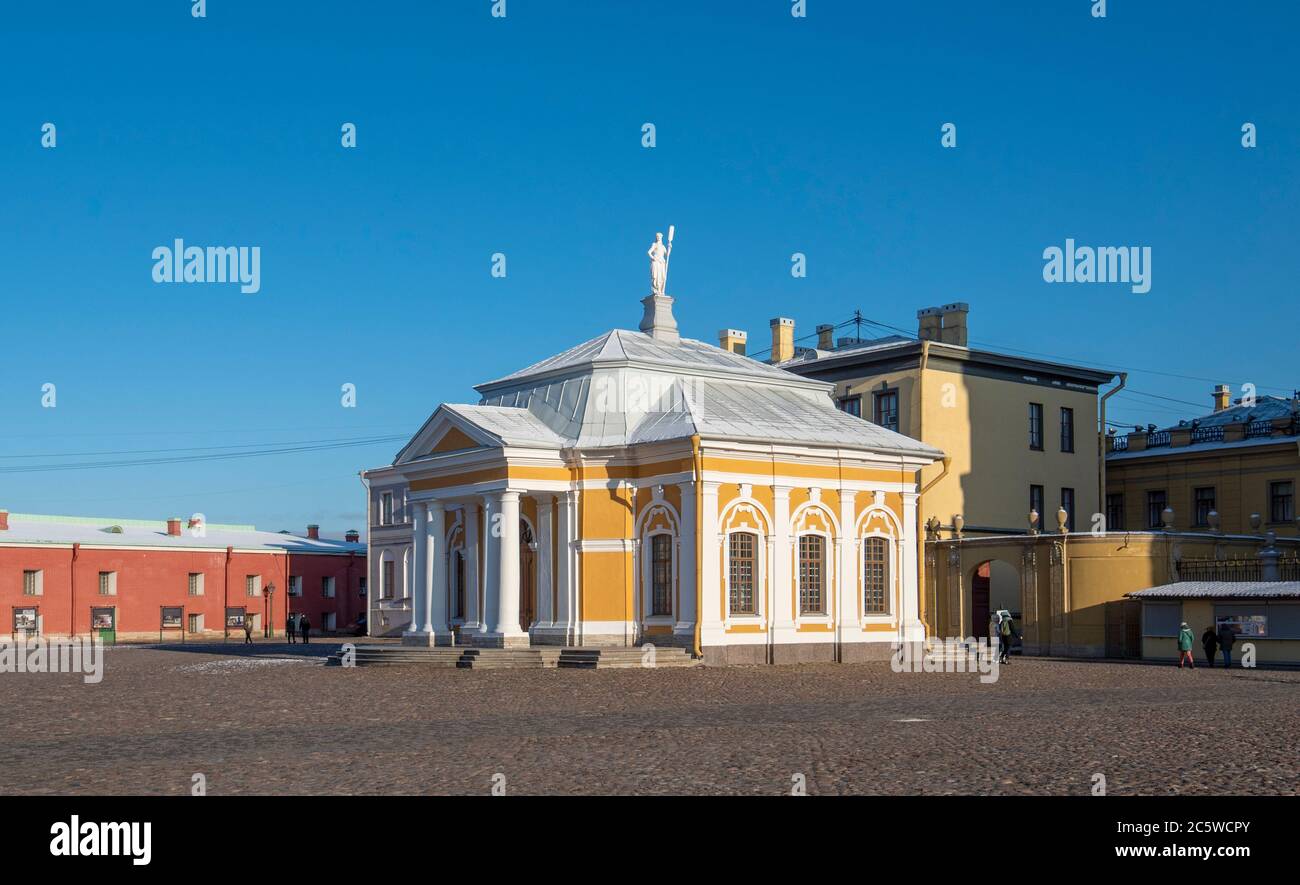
(522, 135)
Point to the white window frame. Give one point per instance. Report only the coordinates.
(386, 511)
(295, 585)
(328, 587)
(192, 586)
(38, 581)
(253, 586)
(891, 582)
(829, 579)
(112, 584)
(647, 578)
(760, 577)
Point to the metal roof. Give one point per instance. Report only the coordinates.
(36, 529)
(1221, 590)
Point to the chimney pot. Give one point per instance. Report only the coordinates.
(954, 323)
(1222, 397)
(4, 520)
(929, 323)
(732, 340)
(352, 536)
(782, 339)
(313, 532)
(174, 526)
(825, 337)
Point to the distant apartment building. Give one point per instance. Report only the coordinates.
(154, 580)
(1234, 470)
(1019, 433)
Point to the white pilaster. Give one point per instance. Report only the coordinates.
(417, 633)
(784, 593)
(711, 629)
(491, 561)
(566, 615)
(471, 613)
(846, 597)
(506, 630)
(435, 606)
(910, 615)
(686, 563)
(545, 569)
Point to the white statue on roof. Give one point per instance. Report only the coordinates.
(659, 255)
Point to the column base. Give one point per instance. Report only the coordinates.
(419, 638)
(501, 640)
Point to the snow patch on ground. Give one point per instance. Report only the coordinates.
(234, 665)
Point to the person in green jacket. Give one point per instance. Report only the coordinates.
(1185, 640)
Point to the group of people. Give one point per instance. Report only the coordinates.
(293, 624)
(1211, 641)
(1006, 629)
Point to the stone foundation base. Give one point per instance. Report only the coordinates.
(496, 640)
(796, 653)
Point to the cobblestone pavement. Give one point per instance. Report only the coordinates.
(274, 719)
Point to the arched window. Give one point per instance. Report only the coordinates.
(742, 554)
(812, 575)
(661, 575)
(875, 576)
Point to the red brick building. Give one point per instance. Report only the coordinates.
(145, 580)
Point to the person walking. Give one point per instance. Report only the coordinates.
(304, 626)
(1210, 641)
(1185, 640)
(290, 627)
(1227, 636)
(1006, 630)
(248, 630)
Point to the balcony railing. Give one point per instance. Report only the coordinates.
(1119, 443)
(1157, 438)
(1214, 433)
(1252, 569)
(1257, 429)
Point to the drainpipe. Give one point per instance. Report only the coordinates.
(72, 617)
(371, 595)
(1101, 438)
(225, 604)
(697, 465)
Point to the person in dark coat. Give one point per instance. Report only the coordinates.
(1227, 636)
(304, 627)
(248, 631)
(290, 628)
(1210, 641)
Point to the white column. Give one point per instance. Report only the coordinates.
(471, 612)
(415, 634)
(711, 630)
(545, 540)
(566, 573)
(686, 562)
(507, 624)
(435, 608)
(784, 593)
(491, 561)
(910, 614)
(846, 598)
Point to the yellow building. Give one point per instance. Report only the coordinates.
(1019, 433)
(1235, 470)
(643, 487)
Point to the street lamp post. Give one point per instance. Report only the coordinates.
(268, 628)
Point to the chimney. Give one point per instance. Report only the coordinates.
(825, 337)
(782, 340)
(4, 520)
(954, 323)
(174, 526)
(1222, 397)
(313, 532)
(352, 536)
(732, 340)
(930, 323)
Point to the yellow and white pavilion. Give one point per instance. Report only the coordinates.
(647, 488)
